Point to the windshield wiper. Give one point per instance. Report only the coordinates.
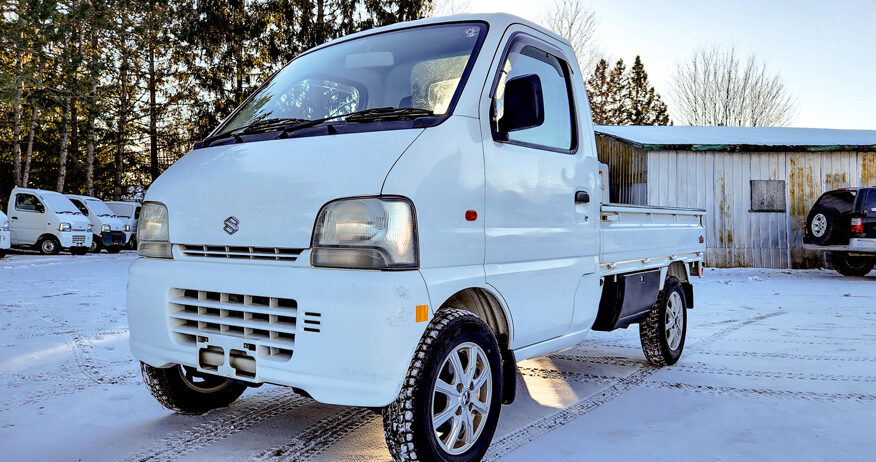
(67, 211)
(264, 125)
(106, 215)
(365, 115)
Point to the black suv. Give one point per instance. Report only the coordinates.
(842, 217)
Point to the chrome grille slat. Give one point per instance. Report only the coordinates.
(268, 322)
(245, 253)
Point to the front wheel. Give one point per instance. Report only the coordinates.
(848, 265)
(96, 244)
(78, 250)
(49, 246)
(185, 390)
(114, 249)
(663, 331)
(449, 404)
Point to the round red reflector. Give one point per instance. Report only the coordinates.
(471, 215)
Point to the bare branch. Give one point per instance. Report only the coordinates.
(572, 20)
(448, 7)
(718, 87)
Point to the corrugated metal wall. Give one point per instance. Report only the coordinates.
(627, 175)
(720, 183)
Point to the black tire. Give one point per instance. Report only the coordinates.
(848, 265)
(96, 244)
(2, 254)
(114, 249)
(653, 332)
(184, 390)
(49, 246)
(823, 225)
(78, 250)
(408, 421)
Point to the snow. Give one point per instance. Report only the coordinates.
(755, 136)
(778, 364)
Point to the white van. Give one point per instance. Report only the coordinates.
(109, 230)
(393, 221)
(5, 243)
(129, 213)
(47, 221)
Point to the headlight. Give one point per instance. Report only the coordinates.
(127, 228)
(4, 226)
(104, 228)
(64, 227)
(366, 233)
(90, 227)
(153, 238)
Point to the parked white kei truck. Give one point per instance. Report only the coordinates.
(5, 241)
(47, 221)
(109, 230)
(129, 213)
(392, 221)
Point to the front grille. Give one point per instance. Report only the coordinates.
(270, 322)
(244, 253)
(78, 239)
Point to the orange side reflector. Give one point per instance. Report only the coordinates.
(422, 313)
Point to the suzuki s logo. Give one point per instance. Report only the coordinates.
(231, 225)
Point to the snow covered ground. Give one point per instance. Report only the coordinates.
(779, 365)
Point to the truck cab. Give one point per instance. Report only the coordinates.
(109, 230)
(129, 213)
(47, 221)
(395, 226)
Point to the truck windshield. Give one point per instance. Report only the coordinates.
(59, 204)
(121, 210)
(99, 208)
(418, 68)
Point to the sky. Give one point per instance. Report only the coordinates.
(825, 51)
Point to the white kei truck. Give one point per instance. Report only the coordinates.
(5, 240)
(129, 213)
(392, 221)
(109, 230)
(47, 221)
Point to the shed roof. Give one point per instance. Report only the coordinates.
(741, 138)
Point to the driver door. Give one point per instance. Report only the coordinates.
(28, 220)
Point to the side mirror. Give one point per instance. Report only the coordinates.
(524, 104)
(40, 208)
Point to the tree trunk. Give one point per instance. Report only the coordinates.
(16, 119)
(89, 147)
(33, 125)
(153, 116)
(123, 109)
(65, 137)
(320, 22)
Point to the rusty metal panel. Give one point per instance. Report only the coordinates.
(627, 170)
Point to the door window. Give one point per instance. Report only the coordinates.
(79, 205)
(27, 202)
(557, 132)
(137, 213)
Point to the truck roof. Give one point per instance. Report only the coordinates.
(496, 21)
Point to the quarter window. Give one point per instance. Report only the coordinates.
(557, 130)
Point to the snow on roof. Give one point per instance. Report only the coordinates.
(741, 138)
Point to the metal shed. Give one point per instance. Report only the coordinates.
(755, 183)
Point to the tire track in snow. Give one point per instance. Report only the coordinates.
(546, 424)
(221, 424)
(318, 437)
(764, 392)
(754, 354)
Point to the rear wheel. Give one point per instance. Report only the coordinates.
(185, 390)
(848, 265)
(49, 246)
(449, 404)
(663, 331)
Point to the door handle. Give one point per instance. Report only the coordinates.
(14, 218)
(582, 197)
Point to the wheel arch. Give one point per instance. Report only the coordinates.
(486, 305)
(49, 236)
(681, 271)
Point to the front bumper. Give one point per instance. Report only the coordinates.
(5, 240)
(75, 239)
(113, 238)
(357, 354)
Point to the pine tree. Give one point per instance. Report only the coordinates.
(617, 108)
(645, 105)
(597, 90)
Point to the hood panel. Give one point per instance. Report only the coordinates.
(274, 188)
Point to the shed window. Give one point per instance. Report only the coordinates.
(768, 196)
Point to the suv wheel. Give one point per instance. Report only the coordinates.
(449, 404)
(847, 265)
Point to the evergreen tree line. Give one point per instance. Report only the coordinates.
(99, 96)
(624, 97)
